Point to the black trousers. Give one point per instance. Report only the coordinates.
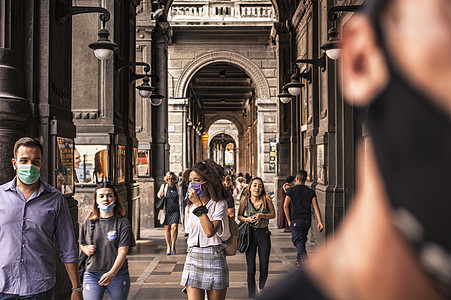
(259, 240)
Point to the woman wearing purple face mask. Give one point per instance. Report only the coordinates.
(207, 223)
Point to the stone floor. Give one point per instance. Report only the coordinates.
(155, 275)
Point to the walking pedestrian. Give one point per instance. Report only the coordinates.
(228, 184)
(205, 266)
(257, 209)
(394, 242)
(107, 266)
(301, 198)
(182, 190)
(248, 178)
(283, 223)
(33, 215)
(241, 186)
(171, 211)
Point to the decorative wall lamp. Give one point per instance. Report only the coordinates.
(333, 44)
(295, 86)
(144, 89)
(156, 99)
(103, 48)
(285, 96)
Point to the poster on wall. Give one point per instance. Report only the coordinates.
(320, 166)
(272, 155)
(120, 164)
(306, 163)
(65, 165)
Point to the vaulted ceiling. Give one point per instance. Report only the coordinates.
(221, 87)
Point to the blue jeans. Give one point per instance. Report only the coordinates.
(48, 295)
(299, 229)
(117, 290)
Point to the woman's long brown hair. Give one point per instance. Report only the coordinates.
(213, 174)
(118, 208)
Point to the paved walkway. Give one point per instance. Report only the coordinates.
(155, 275)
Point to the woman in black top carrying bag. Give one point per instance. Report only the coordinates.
(259, 210)
(169, 216)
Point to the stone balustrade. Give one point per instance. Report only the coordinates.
(214, 11)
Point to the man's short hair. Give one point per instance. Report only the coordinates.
(27, 142)
(301, 176)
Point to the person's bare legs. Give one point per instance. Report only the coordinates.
(195, 293)
(167, 235)
(174, 233)
(217, 294)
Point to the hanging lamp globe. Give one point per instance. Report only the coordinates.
(145, 90)
(333, 44)
(103, 48)
(285, 96)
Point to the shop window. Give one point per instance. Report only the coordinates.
(143, 163)
(65, 165)
(91, 163)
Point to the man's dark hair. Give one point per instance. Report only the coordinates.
(301, 176)
(27, 142)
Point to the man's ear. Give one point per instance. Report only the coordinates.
(13, 161)
(364, 68)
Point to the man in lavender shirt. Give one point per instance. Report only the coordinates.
(32, 215)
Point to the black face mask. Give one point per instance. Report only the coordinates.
(412, 142)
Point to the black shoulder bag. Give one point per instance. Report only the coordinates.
(160, 203)
(244, 233)
(83, 258)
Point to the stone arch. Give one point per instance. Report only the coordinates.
(234, 134)
(235, 121)
(251, 69)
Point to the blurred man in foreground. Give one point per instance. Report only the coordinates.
(395, 242)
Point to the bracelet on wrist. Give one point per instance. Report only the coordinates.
(198, 211)
(78, 289)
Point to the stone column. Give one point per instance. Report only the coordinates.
(266, 111)
(159, 52)
(15, 110)
(283, 111)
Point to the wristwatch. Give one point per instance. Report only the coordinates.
(79, 289)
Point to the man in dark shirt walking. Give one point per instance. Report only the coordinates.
(300, 219)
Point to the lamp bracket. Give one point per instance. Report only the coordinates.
(121, 64)
(64, 12)
(134, 76)
(332, 13)
(307, 75)
(320, 62)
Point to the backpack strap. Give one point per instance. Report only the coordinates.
(91, 235)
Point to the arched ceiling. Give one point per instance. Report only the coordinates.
(221, 87)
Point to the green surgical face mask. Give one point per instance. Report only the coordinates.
(29, 173)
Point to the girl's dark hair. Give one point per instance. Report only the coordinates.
(213, 174)
(263, 196)
(118, 209)
(290, 179)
